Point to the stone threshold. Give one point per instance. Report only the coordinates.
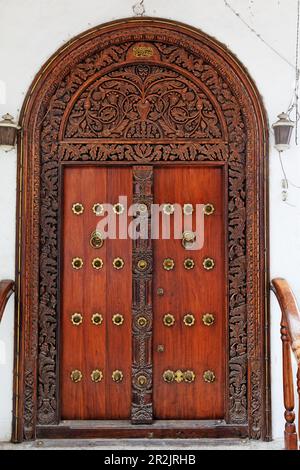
(145, 444)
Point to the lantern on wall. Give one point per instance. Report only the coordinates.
(283, 130)
(8, 132)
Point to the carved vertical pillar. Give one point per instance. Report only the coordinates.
(141, 411)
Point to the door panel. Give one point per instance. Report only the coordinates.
(119, 300)
(197, 348)
(107, 347)
(88, 347)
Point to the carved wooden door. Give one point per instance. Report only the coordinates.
(173, 339)
(109, 286)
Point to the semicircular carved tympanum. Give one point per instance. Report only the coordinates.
(151, 92)
(144, 102)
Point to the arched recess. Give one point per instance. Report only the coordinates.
(218, 118)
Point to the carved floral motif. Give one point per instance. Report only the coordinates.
(143, 102)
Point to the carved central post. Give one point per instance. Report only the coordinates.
(142, 407)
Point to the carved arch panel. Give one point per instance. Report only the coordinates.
(149, 92)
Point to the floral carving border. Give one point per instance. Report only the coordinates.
(191, 54)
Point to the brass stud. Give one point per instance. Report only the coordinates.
(118, 208)
(142, 264)
(142, 380)
(98, 209)
(189, 376)
(189, 264)
(142, 208)
(189, 319)
(169, 376)
(118, 263)
(76, 319)
(160, 291)
(96, 240)
(209, 376)
(209, 209)
(160, 348)
(76, 376)
(208, 319)
(77, 263)
(77, 208)
(96, 375)
(118, 319)
(142, 322)
(188, 209)
(117, 376)
(208, 264)
(178, 376)
(97, 319)
(169, 320)
(97, 263)
(168, 264)
(168, 209)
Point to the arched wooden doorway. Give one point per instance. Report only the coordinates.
(141, 95)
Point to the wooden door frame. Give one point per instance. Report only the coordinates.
(245, 150)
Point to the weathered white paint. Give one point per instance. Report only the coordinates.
(32, 30)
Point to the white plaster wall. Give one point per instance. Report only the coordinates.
(32, 30)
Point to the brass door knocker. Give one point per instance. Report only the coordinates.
(96, 240)
(188, 238)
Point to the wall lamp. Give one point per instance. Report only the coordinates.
(283, 130)
(8, 132)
